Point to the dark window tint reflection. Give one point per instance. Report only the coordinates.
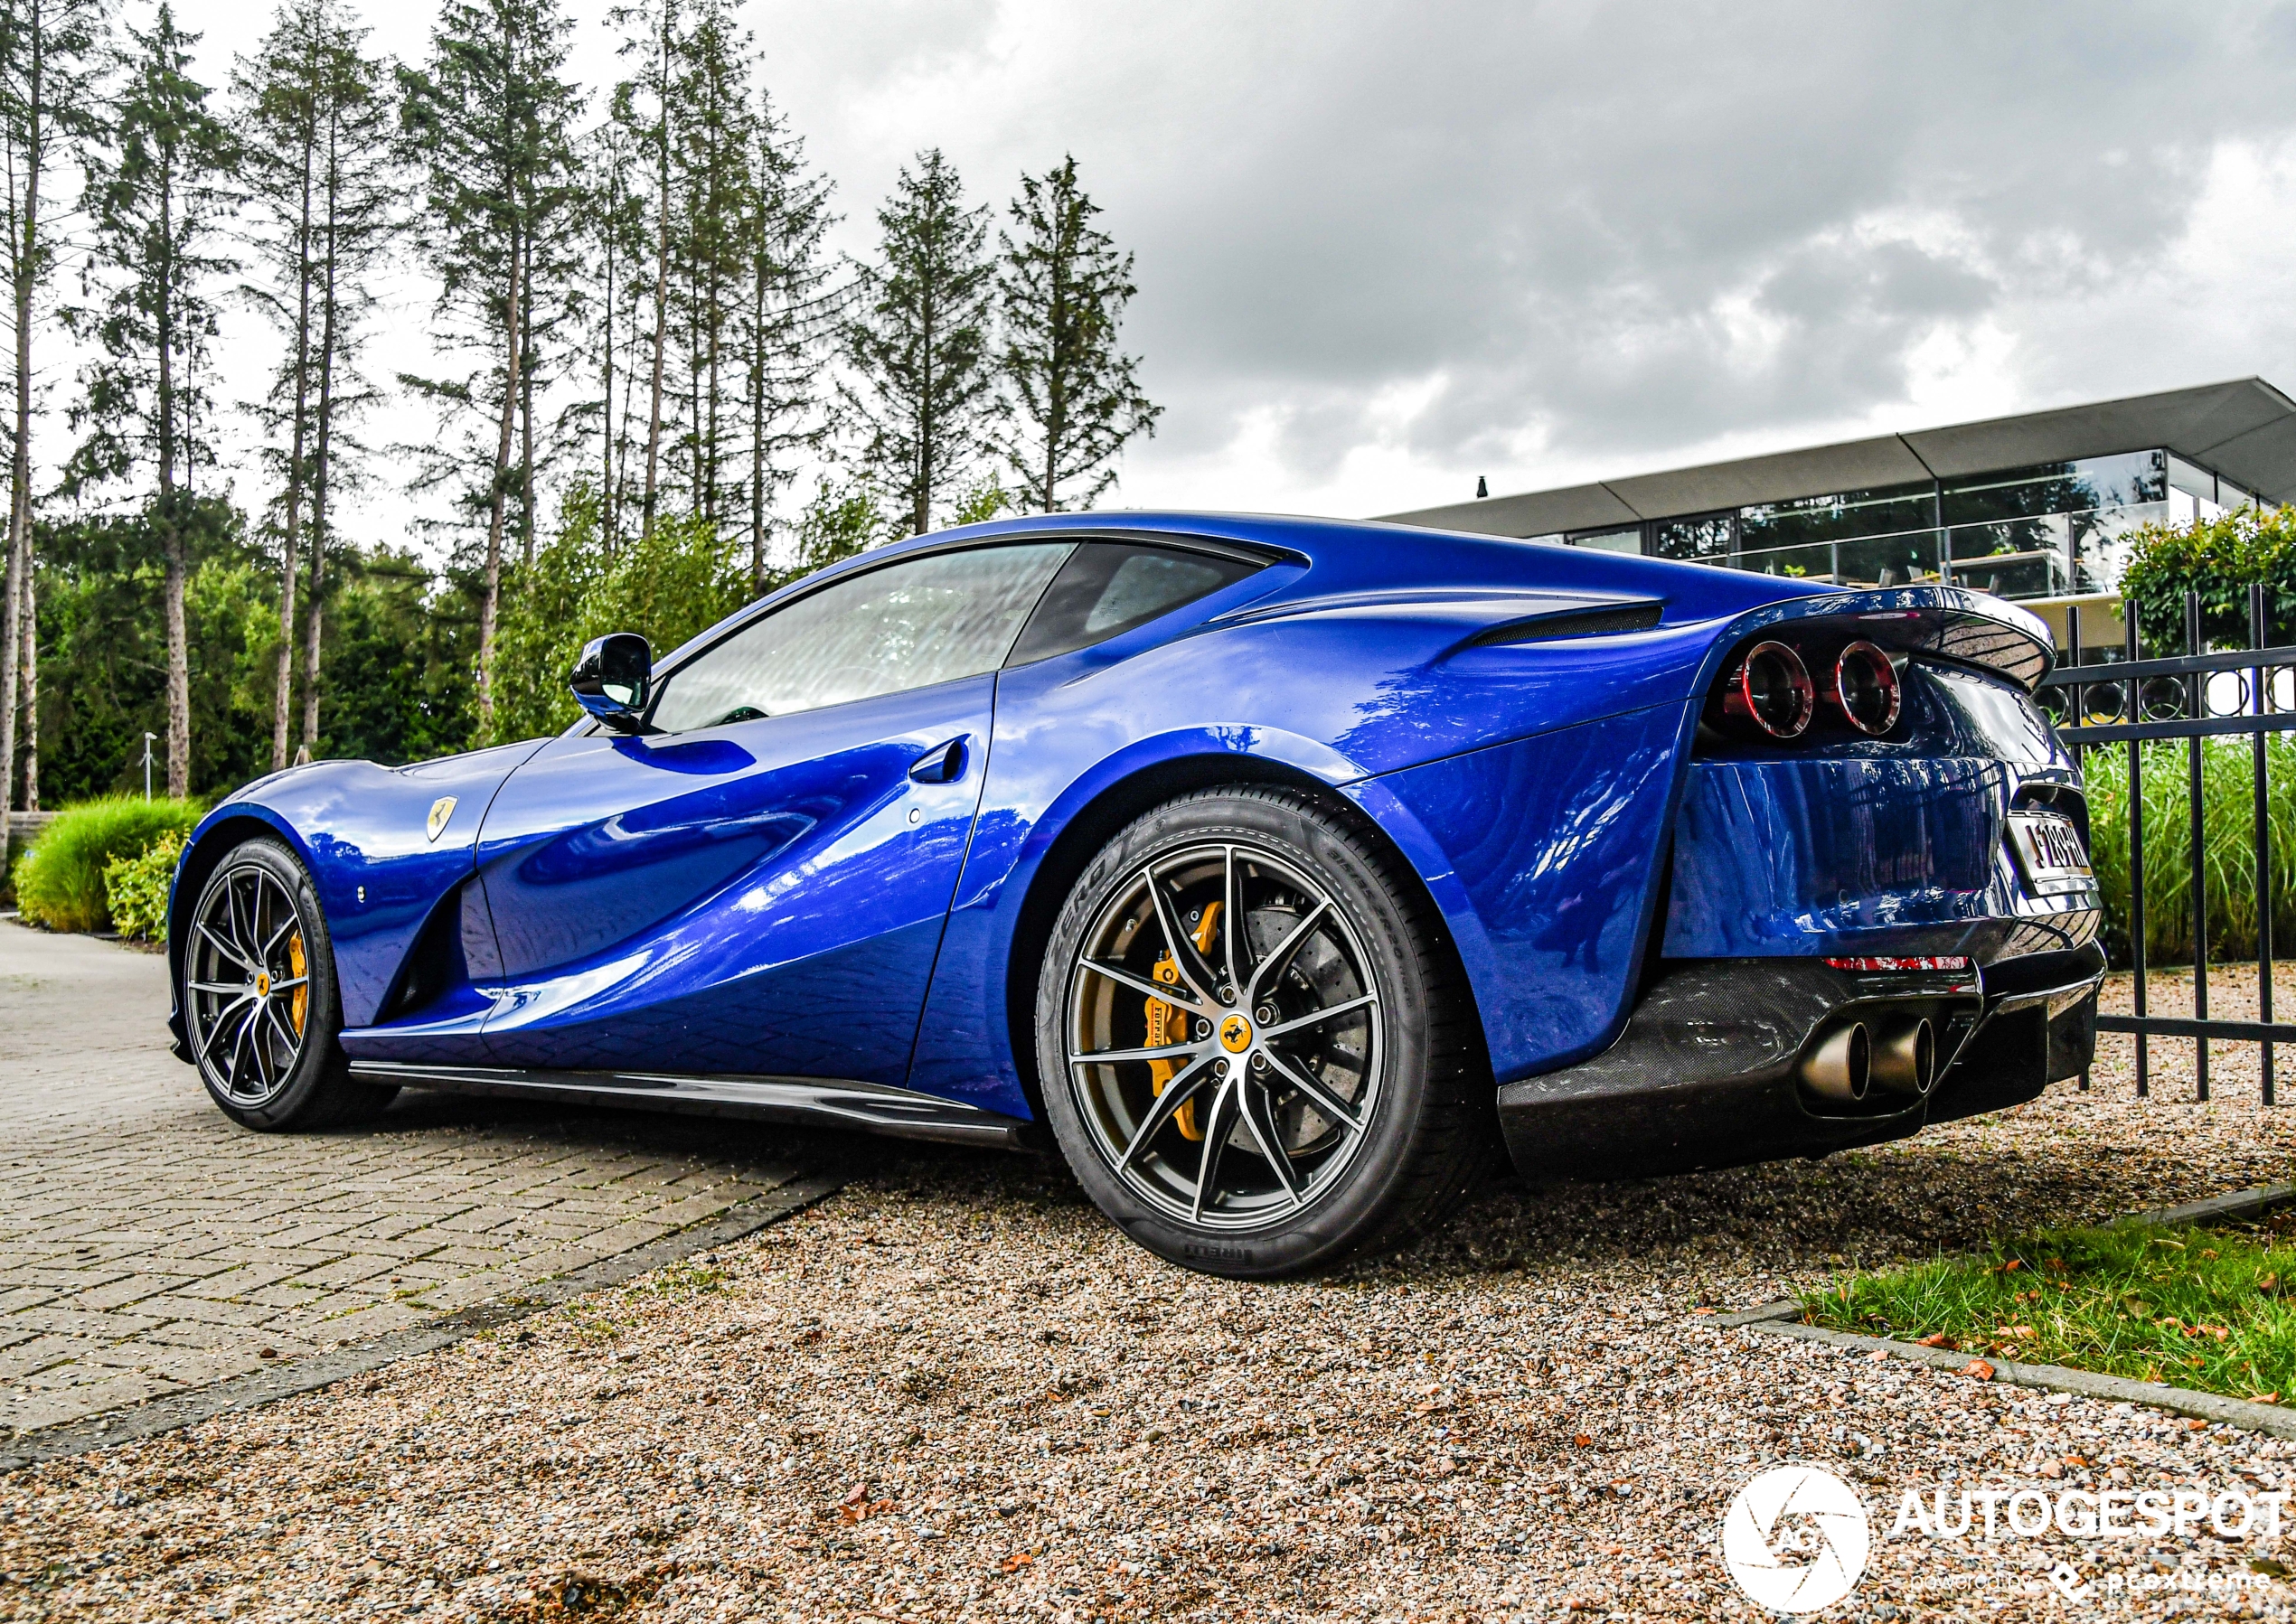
(1111, 586)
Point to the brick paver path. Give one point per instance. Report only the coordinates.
(148, 1245)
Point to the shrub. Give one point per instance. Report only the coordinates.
(675, 582)
(2219, 558)
(2228, 845)
(60, 882)
(135, 887)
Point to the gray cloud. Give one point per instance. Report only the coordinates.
(1558, 208)
(1579, 238)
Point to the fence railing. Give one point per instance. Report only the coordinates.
(2150, 703)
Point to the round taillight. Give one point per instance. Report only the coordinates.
(1863, 685)
(1771, 690)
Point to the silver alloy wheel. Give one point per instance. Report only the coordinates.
(247, 985)
(1227, 1075)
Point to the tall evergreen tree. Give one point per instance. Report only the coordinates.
(360, 217)
(711, 186)
(50, 52)
(645, 105)
(488, 117)
(790, 310)
(314, 131)
(1063, 287)
(159, 191)
(919, 345)
(614, 217)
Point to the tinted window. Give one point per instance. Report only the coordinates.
(906, 625)
(1112, 586)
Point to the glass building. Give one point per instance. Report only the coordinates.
(2037, 508)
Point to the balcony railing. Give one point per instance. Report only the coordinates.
(2047, 555)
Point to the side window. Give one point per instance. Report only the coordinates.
(906, 625)
(1112, 586)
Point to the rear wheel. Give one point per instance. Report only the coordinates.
(1256, 1051)
(260, 1006)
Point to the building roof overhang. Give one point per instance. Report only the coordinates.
(2245, 430)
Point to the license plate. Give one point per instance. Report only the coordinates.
(2048, 848)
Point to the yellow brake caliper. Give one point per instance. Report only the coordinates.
(1168, 1023)
(299, 1006)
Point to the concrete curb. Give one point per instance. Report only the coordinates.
(1782, 1318)
(304, 1376)
(2240, 1204)
(2058, 1378)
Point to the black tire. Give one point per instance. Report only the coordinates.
(258, 936)
(1357, 1048)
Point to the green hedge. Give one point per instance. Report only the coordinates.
(2228, 845)
(60, 881)
(2219, 558)
(136, 889)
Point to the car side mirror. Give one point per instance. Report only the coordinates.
(614, 678)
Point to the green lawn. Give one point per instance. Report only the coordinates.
(2211, 1308)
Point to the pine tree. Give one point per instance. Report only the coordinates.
(49, 54)
(789, 311)
(488, 119)
(644, 105)
(614, 218)
(360, 220)
(160, 198)
(315, 132)
(926, 395)
(1063, 287)
(711, 185)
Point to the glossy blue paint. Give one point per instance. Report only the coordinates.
(1875, 846)
(753, 898)
(1556, 841)
(361, 827)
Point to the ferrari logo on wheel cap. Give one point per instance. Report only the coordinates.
(1236, 1034)
(441, 810)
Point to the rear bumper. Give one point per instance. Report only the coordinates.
(1706, 1074)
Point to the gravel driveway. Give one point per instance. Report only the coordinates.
(953, 1391)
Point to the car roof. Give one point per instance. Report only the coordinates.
(1350, 557)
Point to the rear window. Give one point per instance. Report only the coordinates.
(1108, 587)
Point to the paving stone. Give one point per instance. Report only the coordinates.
(120, 1293)
(203, 1311)
(147, 1243)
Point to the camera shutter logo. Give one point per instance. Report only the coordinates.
(1796, 1539)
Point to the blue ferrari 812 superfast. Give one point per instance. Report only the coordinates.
(1284, 873)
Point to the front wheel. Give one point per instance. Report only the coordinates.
(1257, 1053)
(260, 1006)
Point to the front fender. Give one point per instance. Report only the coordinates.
(362, 832)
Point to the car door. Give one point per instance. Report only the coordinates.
(757, 884)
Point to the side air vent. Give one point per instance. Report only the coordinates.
(1604, 621)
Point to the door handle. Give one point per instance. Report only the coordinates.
(943, 764)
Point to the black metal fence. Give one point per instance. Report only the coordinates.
(2154, 703)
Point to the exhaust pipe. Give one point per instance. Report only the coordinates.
(1840, 1066)
(1904, 1058)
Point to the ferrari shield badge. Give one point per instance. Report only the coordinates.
(441, 810)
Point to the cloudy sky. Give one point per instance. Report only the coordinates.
(1384, 248)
